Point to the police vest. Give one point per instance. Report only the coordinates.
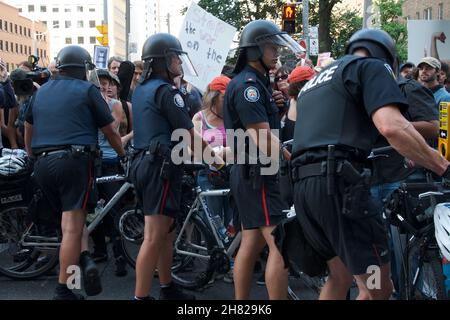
(62, 114)
(148, 122)
(328, 114)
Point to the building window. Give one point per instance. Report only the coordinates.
(15, 29)
(80, 24)
(440, 11)
(66, 9)
(68, 40)
(30, 8)
(92, 40)
(55, 24)
(20, 30)
(80, 40)
(6, 45)
(1, 24)
(1, 45)
(427, 14)
(79, 8)
(45, 53)
(10, 27)
(6, 26)
(55, 9)
(17, 48)
(44, 22)
(20, 9)
(43, 8)
(29, 34)
(67, 24)
(91, 23)
(21, 49)
(91, 9)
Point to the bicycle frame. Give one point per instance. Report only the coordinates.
(53, 242)
(200, 201)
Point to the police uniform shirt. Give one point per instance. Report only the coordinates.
(173, 108)
(63, 126)
(157, 121)
(248, 100)
(335, 107)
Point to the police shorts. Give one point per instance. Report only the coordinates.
(359, 243)
(258, 206)
(155, 195)
(66, 180)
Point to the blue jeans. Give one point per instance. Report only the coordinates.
(217, 205)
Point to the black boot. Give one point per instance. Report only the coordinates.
(121, 267)
(91, 275)
(173, 292)
(64, 293)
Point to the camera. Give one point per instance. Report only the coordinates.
(37, 74)
(23, 80)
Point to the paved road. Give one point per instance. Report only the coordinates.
(115, 288)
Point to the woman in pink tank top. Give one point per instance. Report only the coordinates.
(209, 121)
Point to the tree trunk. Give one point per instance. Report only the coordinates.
(325, 8)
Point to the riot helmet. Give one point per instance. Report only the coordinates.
(378, 43)
(162, 51)
(256, 35)
(77, 62)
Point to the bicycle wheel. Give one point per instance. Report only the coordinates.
(196, 239)
(426, 280)
(131, 227)
(16, 260)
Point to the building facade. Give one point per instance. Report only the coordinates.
(75, 21)
(21, 37)
(426, 9)
(143, 23)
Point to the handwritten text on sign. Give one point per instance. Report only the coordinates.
(207, 40)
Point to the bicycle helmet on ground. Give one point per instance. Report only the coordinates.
(11, 165)
(442, 228)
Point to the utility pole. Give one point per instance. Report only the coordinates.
(306, 25)
(367, 12)
(127, 29)
(105, 11)
(168, 22)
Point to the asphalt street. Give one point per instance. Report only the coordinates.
(115, 288)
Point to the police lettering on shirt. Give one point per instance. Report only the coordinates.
(322, 77)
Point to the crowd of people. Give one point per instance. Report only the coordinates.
(335, 114)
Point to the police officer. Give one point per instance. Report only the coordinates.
(338, 114)
(159, 110)
(249, 104)
(61, 131)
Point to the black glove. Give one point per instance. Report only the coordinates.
(124, 163)
(446, 177)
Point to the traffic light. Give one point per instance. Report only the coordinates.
(288, 18)
(103, 29)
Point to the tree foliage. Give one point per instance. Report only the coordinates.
(391, 13)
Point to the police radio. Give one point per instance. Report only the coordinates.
(443, 145)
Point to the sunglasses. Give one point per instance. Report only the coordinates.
(283, 77)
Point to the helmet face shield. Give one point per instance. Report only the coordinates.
(284, 41)
(91, 73)
(178, 63)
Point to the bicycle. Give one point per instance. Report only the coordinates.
(27, 253)
(422, 275)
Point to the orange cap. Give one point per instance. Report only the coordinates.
(219, 83)
(300, 74)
